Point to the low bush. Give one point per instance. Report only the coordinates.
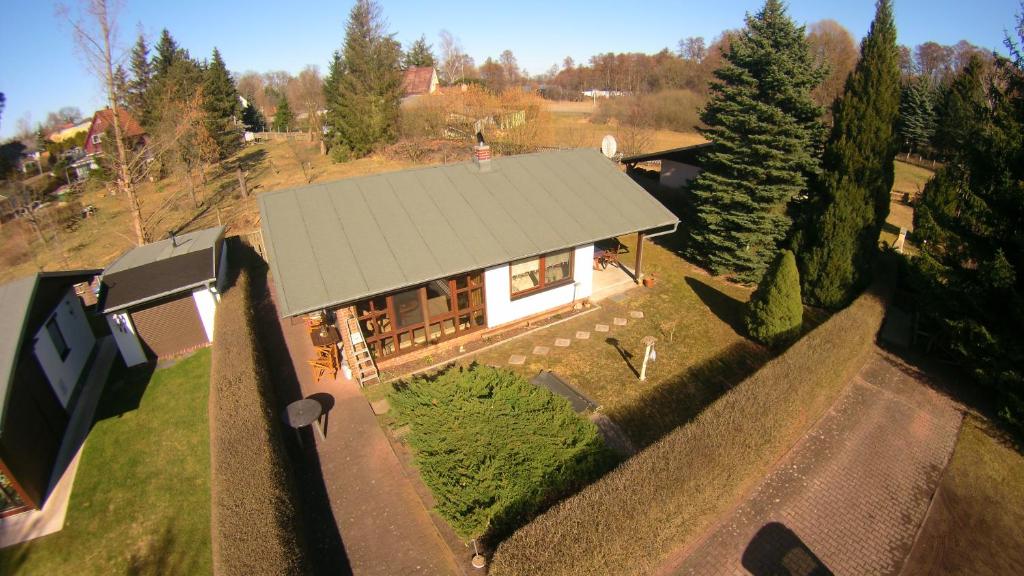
(494, 448)
(254, 507)
(677, 110)
(665, 496)
(775, 312)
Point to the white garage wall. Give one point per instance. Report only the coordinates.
(206, 303)
(502, 309)
(64, 374)
(127, 340)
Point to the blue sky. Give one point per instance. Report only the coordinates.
(40, 70)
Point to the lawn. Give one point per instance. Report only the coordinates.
(910, 179)
(701, 351)
(976, 523)
(141, 499)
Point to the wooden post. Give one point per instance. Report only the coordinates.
(638, 274)
(241, 183)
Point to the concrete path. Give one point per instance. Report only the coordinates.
(50, 518)
(850, 497)
(383, 525)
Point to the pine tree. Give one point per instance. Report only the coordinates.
(767, 134)
(167, 52)
(283, 117)
(841, 244)
(364, 111)
(141, 78)
(253, 118)
(917, 121)
(419, 55)
(222, 106)
(963, 109)
(775, 312)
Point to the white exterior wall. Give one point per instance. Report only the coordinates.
(677, 174)
(127, 340)
(64, 374)
(206, 303)
(502, 309)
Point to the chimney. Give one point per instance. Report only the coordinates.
(482, 153)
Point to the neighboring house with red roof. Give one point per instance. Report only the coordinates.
(418, 81)
(104, 119)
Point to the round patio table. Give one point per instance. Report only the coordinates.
(302, 413)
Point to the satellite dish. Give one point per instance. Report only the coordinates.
(609, 146)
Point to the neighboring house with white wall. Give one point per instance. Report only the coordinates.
(46, 343)
(435, 255)
(160, 299)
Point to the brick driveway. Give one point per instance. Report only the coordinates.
(850, 497)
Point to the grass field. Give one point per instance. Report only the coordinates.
(976, 523)
(141, 499)
(910, 179)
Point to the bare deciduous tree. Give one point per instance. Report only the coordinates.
(455, 63)
(831, 45)
(307, 92)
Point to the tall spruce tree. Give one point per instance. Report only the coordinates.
(853, 202)
(766, 133)
(917, 121)
(221, 106)
(419, 55)
(364, 112)
(167, 52)
(141, 79)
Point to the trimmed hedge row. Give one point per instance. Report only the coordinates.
(254, 506)
(662, 498)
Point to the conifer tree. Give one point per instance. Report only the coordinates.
(855, 187)
(364, 111)
(253, 119)
(221, 106)
(775, 312)
(167, 52)
(283, 117)
(419, 55)
(141, 77)
(766, 133)
(917, 121)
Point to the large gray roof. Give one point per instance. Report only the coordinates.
(342, 241)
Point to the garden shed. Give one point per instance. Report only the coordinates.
(46, 343)
(160, 298)
(676, 167)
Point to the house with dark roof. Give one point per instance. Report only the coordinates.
(410, 259)
(419, 80)
(160, 298)
(676, 166)
(46, 343)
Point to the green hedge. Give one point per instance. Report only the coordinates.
(665, 496)
(494, 448)
(255, 521)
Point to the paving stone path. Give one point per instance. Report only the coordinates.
(541, 350)
(583, 335)
(850, 497)
(562, 342)
(517, 359)
(619, 321)
(600, 328)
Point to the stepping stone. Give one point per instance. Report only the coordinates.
(619, 321)
(636, 314)
(381, 406)
(583, 335)
(601, 328)
(562, 342)
(517, 359)
(541, 350)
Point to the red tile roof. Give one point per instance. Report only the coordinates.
(417, 80)
(103, 119)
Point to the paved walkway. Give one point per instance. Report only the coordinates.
(850, 497)
(383, 525)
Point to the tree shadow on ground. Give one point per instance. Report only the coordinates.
(659, 410)
(163, 555)
(627, 356)
(728, 309)
(319, 528)
(124, 389)
(776, 549)
(250, 159)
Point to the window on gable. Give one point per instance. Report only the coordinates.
(57, 337)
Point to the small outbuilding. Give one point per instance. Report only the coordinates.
(160, 298)
(46, 343)
(676, 167)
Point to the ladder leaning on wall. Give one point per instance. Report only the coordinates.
(364, 369)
